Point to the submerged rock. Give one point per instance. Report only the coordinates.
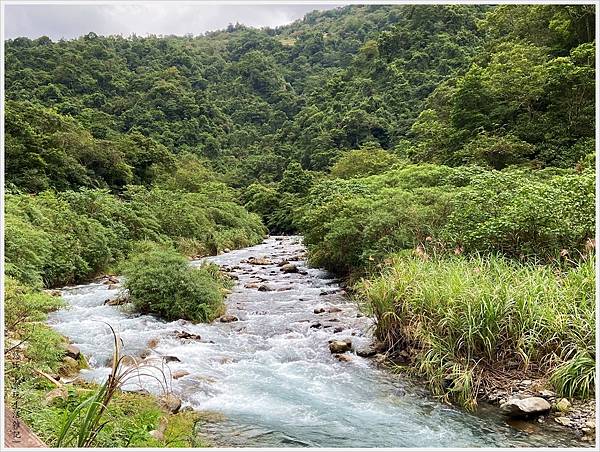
(336, 346)
(530, 406)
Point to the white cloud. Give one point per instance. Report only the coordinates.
(70, 21)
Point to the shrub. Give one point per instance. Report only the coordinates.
(461, 316)
(161, 282)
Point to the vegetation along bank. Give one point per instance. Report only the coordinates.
(440, 157)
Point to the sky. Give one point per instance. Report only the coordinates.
(71, 21)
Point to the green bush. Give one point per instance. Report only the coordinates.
(463, 316)
(161, 282)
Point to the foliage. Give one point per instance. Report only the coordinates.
(461, 315)
(363, 162)
(160, 281)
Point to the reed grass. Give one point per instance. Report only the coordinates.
(463, 318)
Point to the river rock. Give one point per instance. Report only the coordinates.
(316, 325)
(227, 250)
(334, 309)
(319, 310)
(547, 394)
(122, 298)
(338, 329)
(228, 319)
(343, 358)
(282, 263)
(289, 268)
(171, 403)
(530, 406)
(264, 288)
(73, 351)
(53, 292)
(563, 405)
(366, 351)
(258, 261)
(563, 421)
(252, 285)
(179, 374)
(171, 359)
(186, 335)
(336, 346)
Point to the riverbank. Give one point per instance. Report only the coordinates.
(269, 371)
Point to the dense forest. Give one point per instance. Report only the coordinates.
(442, 158)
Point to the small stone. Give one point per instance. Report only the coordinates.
(179, 374)
(563, 405)
(73, 351)
(252, 286)
(319, 310)
(338, 329)
(228, 319)
(282, 263)
(333, 309)
(316, 325)
(526, 383)
(563, 421)
(227, 250)
(171, 403)
(590, 424)
(547, 394)
(336, 346)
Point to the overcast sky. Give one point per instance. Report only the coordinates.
(70, 21)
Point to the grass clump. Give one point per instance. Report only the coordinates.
(465, 319)
(161, 282)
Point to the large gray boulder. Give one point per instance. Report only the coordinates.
(529, 406)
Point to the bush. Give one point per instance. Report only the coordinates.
(161, 282)
(462, 316)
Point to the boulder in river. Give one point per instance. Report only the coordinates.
(264, 288)
(169, 359)
(228, 319)
(186, 335)
(529, 406)
(319, 310)
(343, 358)
(336, 346)
(289, 268)
(282, 263)
(179, 374)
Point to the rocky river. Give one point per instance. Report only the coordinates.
(270, 374)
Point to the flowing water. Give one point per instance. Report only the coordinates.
(271, 375)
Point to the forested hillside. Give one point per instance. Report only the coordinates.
(443, 157)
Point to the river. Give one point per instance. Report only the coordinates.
(271, 375)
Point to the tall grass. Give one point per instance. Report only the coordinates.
(465, 319)
(83, 424)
